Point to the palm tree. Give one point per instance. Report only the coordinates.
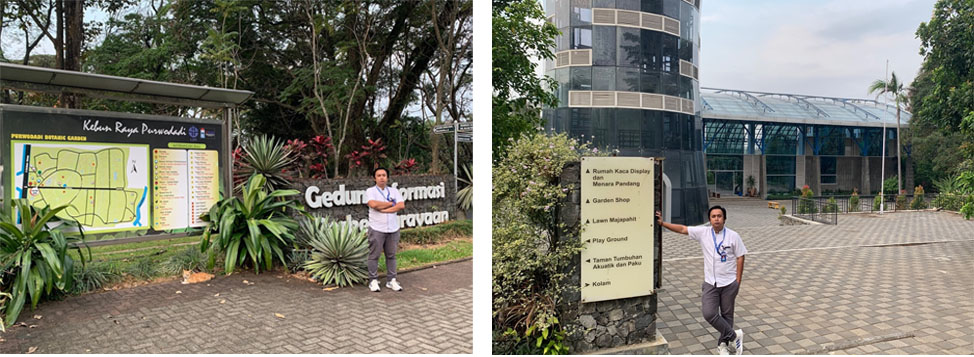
(895, 88)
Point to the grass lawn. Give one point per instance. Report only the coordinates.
(140, 262)
(415, 256)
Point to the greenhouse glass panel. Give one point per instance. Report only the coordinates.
(780, 165)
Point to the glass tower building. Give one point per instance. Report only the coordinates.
(627, 73)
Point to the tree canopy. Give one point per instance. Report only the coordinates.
(947, 44)
(354, 69)
(520, 32)
(942, 94)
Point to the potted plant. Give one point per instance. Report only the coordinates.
(751, 191)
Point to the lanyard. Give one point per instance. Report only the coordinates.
(722, 237)
(387, 194)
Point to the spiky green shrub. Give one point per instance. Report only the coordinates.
(297, 257)
(465, 195)
(854, 201)
(267, 156)
(338, 251)
(34, 255)
(877, 201)
(257, 226)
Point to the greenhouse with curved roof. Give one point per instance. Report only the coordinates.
(785, 141)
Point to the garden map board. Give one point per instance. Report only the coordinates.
(617, 227)
(116, 172)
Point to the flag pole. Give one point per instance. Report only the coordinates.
(882, 175)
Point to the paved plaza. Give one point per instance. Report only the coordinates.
(271, 313)
(900, 283)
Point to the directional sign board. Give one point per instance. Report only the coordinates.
(465, 138)
(443, 129)
(617, 220)
(465, 127)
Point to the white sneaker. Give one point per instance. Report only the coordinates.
(394, 285)
(374, 285)
(722, 349)
(739, 341)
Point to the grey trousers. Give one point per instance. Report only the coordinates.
(721, 298)
(379, 243)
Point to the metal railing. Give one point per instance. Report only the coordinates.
(825, 209)
(817, 209)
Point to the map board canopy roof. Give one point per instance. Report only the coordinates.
(33, 78)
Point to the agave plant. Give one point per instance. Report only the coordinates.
(34, 253)
(269, 157)
(257, 226)
(338, 251)
(465, 195)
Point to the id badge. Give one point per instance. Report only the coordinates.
(723, 258)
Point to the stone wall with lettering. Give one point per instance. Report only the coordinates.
(611, 324)
(430, 199)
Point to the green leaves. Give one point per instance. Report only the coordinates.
(520, 32)
(947, 44)
(268, 157)
(531, 255)
(338, 251)
(34, 253)
(465, 195)
(257, 227)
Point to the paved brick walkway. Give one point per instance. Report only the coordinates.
(433, 315)
(900, 283)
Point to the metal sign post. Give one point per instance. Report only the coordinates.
(462, 132)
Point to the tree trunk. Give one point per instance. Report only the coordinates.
(59, 35)
(74, 31)
(409, 76)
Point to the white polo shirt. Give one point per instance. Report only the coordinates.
(383, 222)
(715, 271)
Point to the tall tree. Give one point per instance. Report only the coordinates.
(520, 33)
(947, 44)
(894, 88)
(451, 47)
(945, 95)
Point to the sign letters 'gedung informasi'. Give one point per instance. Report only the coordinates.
(114, 172)
(427, 200)
(617, 227)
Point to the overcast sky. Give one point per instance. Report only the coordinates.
(828, 48)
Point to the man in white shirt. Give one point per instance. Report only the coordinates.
(723, 267)
(384, 201)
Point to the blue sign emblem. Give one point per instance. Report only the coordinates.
(193, 132)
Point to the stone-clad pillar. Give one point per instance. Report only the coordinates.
(625, 326)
